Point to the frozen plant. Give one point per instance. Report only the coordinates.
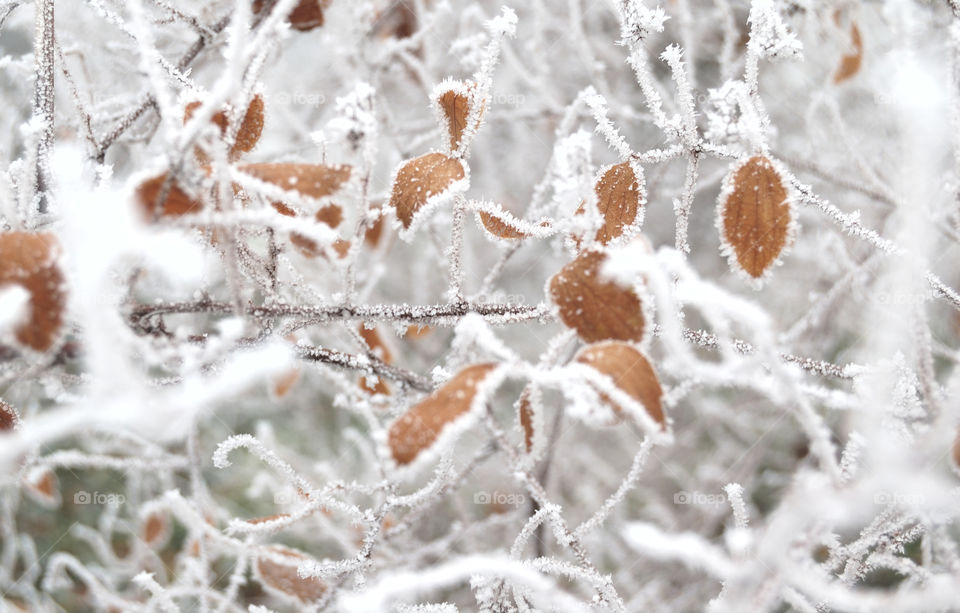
(424, 306)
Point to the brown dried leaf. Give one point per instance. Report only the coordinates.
(248, 133)
(309, 180)
(850, 62)
(755, 216)
(419, 179)
(310, 249)
(597, 309)
(30, 260)
(283, 577)
(155, 529)
(332, 215)
(500, 226)
(371, 336)
(307, 15)
(374, 230)
(284, 382)
(618, 199)
(43, 486)
(630, 371)
(420, 427)
(456, 109)
(9, 419)
(380, 388)
(398, 21)
(526, 418)
(176, 203)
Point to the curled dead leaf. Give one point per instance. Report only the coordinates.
(379, 388)
(308, 180)
(597, 309)
(174, 203)
(248, 132)
(454, 100)
(525, 409)
(307, 15)
(31, 260)
(619, 199)
(277, 571)
(850, 62)
(501, 225)
(371, 336)
(399, 20)
(332, 215)
(419, 179)
(418, 429)
(155, 529)
(284, 382)
(374, 232)
(43, 487)
(754, 216)
(630, 371)
(309, 248)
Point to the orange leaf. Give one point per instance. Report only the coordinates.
(176, 203)
(399, 20)
(630, 371)
(309, 180)
(454, 104)
(420, 427)
(371, 336)
(526, 418)
(30, 260)
(375, 229)
(284, 382)
(850, 62)
(755, 218)
(380, 388)
(618, 199)
(248, 133)
(310, 249)
(500, 225)
(155, 529)
(281, 577)
(597, 309)
(43, 486)
(307, 15)
(419, 179)
(332, 215)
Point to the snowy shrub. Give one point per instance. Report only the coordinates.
(444, 305)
